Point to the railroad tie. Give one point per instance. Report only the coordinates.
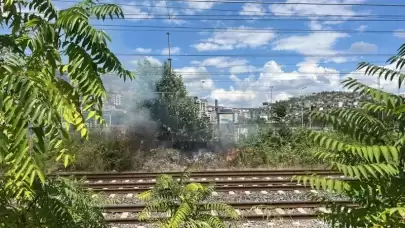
(280, 211)
(129, 195)
(281, 192)
(324, 210)
(296, 223)
(302, 210)
(259, 211)
(124, 215)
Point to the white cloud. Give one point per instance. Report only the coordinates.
(232, 95)
(235, 65)
(362, 28)
(222, 62)
(242, 69)
(151, 59)
(314, 12)
(252, 9)
(197, 80)
(249, 92)
(400, 33)
(173, 50)
(197, 6)
(363, 47)
(313, 44)
(135, 13)
(234, 39)
(143, 50)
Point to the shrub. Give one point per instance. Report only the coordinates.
(185, 203)
(276, 147)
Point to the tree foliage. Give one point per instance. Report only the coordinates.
(184, 203)
(375, 156)
(43, 95)
(57, 203)
(176, 112)
(279, 111)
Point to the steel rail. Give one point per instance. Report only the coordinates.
(219, 188)
(292, 216)
(202, 174)
(217, 183)
(236, 205)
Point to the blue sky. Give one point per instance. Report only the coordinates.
(294, 60)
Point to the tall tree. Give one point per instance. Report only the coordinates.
(39, 107)
(176, 112)
(279, 111)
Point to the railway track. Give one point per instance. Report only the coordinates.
(294, 210)
(209, 174)
(232, 184)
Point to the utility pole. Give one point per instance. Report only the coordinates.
(271, 104)
(302, 108)
(168, 44)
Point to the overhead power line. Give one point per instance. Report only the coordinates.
(272, 13)
(292, 3)
(266, 3)
(247, 30)
(251, 55)
(255, 18)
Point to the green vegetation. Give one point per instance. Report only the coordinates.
(185, 203)
(42, 100)
(274, 147)
(176, 113)
(55, 203)
(374, 157)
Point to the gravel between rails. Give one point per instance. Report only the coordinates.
(276, 223)
(238, 196)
